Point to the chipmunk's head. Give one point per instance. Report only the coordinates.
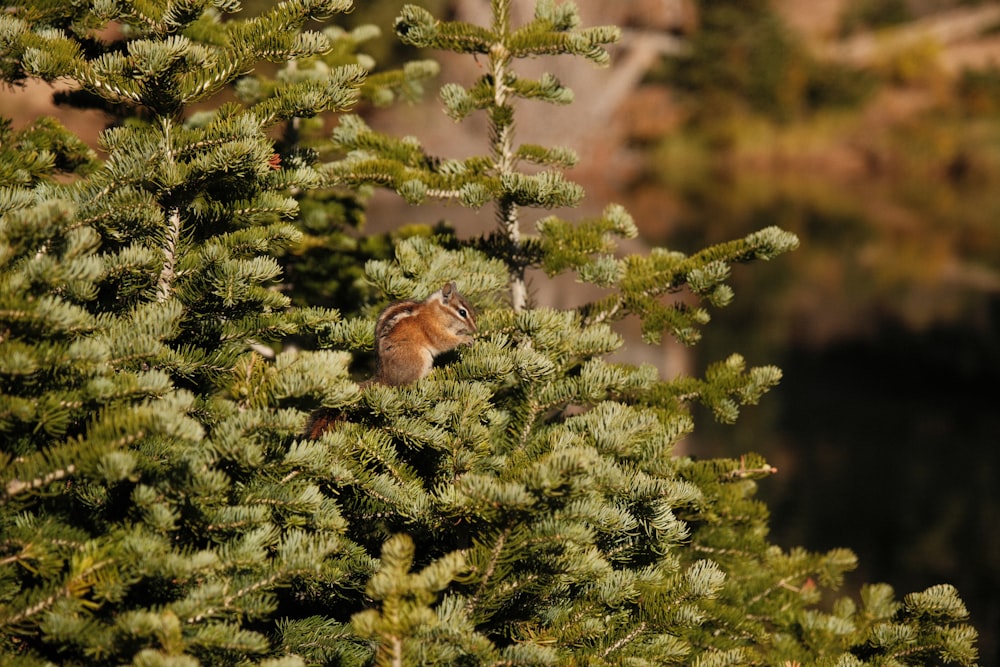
(461, 316)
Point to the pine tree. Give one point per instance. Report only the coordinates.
(521, 505)
(139, 492)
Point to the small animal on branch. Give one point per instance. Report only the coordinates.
(408, 336)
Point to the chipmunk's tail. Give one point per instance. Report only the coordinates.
(321, 421)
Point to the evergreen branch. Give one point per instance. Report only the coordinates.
(206, 82)
(229, 601)
(16, 486)
(527, 414)
(415, 185)
(135, 13)
(646, 279)
(722, 551)
(51, 313)
(201, 145)
(288, 16)
(532, 41)
(784, 582)
(512, 586)
(445, 194)
(386, 457)
(75, 587)
(416, 26)
(556, 157)
(164, 284)
(337, 92)
(746, 473)
(639, 629)
(470, 605)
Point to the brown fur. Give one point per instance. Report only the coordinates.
(408, 335)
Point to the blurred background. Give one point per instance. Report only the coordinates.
(870, 128)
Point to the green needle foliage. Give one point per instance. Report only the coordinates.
(167, 325)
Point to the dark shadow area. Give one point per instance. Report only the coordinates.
(890, 445)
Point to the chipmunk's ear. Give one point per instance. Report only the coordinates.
(448, 289)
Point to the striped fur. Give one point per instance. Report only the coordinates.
(408, 335)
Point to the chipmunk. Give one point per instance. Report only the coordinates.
(408, 335)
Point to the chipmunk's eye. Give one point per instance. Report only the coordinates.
(462, 312)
